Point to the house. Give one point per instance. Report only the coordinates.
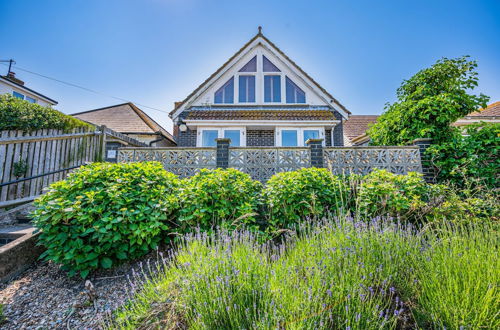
(355, 129)
(259, 97)
(9, 84)
(490, 114)
(128, 119)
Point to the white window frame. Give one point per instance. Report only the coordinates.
(300, 134)
(220, 133)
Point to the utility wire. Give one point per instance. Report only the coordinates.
(84, 88)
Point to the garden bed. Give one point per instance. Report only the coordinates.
(45, 297)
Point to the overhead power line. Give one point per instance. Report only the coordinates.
(85, 88)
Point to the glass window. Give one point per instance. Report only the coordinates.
(247, 89)
(267, 66)
(29, 99)
(18, 95)
(272, 88)
(234, 135)
(251, 66)
(208, 138)
(310, 134)
(293, 93)
(289, 138)
(225, 94)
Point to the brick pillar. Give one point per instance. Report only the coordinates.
(316, 146)
(222, 155)
(427, 168)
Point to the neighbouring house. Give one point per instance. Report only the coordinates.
(259, 97)
(490, 114)
(9, 84)
(131, 121)
(355, 129)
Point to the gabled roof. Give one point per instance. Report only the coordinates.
(6, 80)
(260, 115)
(243, 50)
(124, 118)
(492, 110)
(357, 125)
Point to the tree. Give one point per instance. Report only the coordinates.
(428, 103)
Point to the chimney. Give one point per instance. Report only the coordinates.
(12, 77)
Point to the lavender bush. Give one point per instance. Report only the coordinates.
(337, 274)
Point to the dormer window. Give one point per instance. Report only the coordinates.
(225, 94)
(293, 93)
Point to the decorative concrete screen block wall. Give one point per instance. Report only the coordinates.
(184, 162)
(361, 160)
(262, 163)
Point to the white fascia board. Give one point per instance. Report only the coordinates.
(284, 61)
(305, 80)
(294, 123)
(25, 90)
(209, 83)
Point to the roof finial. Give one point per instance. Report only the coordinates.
(260, 29)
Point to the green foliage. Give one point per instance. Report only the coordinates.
(223, 197)
(20, 168)
(292, 197)
(338, 275)
(428, 103)
(17, 114)
(105, 213)
(383, 193)
(475, 156)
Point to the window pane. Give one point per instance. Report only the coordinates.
(293, 93)
(267, 66)
(251, 66)
(289, 138)
(310, 134)
(18, 95)
(272, 89)
(208, 138)
(247, 89)
(234, 135)
(225, 94)
(29, 99)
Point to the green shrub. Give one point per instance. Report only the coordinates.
(382, 193)
(223, 197)
(473, 156)
(292, 197)
(105, 213)
(17, 114)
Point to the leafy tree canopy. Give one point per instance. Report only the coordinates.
(429, 102)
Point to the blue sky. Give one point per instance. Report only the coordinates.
(155, 52)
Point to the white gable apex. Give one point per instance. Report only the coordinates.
(260, 47)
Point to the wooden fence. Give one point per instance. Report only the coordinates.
(30, 161)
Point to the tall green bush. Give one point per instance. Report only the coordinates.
(17, 114)
(429, 102)
(475, 156)
(381, 193)
(223, 197)
(292, 197)
(105, 213)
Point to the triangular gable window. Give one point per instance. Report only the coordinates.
(293, 93)
(267, 66)
(251, 66)
(225, 94)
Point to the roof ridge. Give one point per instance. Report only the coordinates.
(103, 108)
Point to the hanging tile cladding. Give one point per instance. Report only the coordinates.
(260, 138)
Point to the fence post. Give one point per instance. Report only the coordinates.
(222, 154)
(427, 168)
(316, 146)
(103, 143)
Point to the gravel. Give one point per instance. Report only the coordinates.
(44, 297)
